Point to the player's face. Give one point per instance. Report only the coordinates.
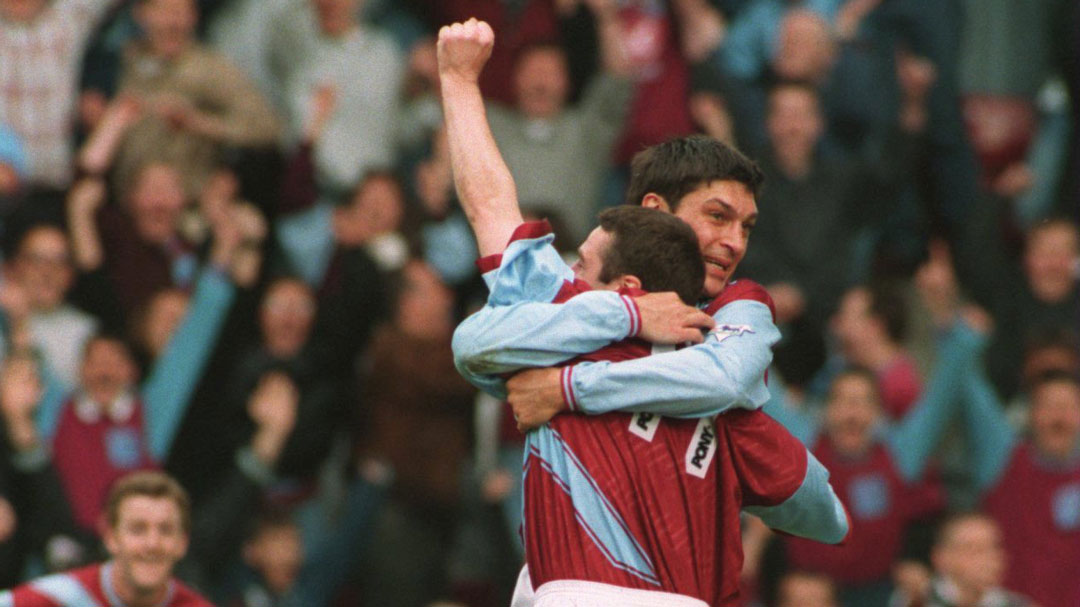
(145, 543)
(851, 413)
(1055, 418)
(590, 263)
(722, 214)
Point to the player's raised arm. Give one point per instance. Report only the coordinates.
(483, 182)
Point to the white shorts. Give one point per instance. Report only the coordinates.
(579, 593)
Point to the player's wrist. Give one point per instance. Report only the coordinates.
(633, 316)
(566, 384)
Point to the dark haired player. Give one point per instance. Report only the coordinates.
(620, 508)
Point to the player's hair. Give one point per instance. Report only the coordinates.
(658, 248)
(889, 303)
(270, 518)
(150, 483)
(542, 45)
(679, 166)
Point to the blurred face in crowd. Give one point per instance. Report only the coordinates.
(107, 370)
(145, 542)
(1050, 258)
(335, 17)
(21, 10)
(970, 554)
(164, 314)
(169, 25)
(795, 124)
(42, 266)
(542, 82)
(851, 412)
(853, 324)
(376, 208)
(286, 317)
(277, 553)
(156, 202)
(426, 305)
(805, 590)
(9, 180)
(805, 51)
(1055, 417)
(722, 215)
(1052, 357)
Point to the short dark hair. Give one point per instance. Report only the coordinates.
(658, 248)
(679, 166)
(1055, 376)
(858, 372)
(150, 483)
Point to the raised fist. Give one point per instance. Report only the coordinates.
(463, 49)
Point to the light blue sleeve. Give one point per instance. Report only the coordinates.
(800, 423)
(813, 511)
(503, 339)
(47, 416)
(913, 439)
(726, 371)
(990, 437)
(515, 331)
(173, 378)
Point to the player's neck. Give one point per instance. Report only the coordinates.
(130, 596)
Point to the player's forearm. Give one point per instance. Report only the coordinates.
(813, 511)
(990, 437)
(484, 185)
(727, 371)
(503, 339)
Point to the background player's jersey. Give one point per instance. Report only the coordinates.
(642, 501)
(88, 587)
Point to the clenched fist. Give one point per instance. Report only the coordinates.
(463, 50)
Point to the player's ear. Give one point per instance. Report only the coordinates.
(629, 281)
(652, 200)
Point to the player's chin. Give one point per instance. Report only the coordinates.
(150, 575)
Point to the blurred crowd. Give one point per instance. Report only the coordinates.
(232, 250)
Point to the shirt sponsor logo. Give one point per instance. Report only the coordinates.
(702, 449)
(722, 332)
(1066, 506)
(645, 425)
(869, 497)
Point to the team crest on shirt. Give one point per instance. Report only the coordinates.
(722, 332)
(122, 447)
(702, 449)
(869, 497)
(1066, 506)
(644, 425)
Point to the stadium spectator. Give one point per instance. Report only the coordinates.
(804, 589)
(870, 326)
(14, 169)
(419, 427)
(192, 101)
(147, 526)
(43, 41)
(878, 469)
(107, 426)
(969, 560)
(323, 43)
(559, 155)
(1043, 298)
(1030, 486)
(39, 277)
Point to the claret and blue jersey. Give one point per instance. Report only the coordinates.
(622, 495)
